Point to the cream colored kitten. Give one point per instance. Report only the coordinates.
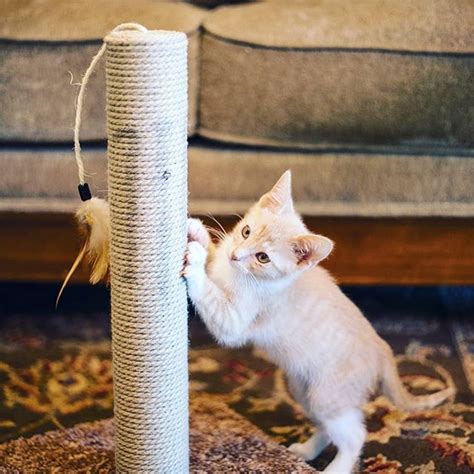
(262, 285)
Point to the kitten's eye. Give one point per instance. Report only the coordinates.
(245, 231)
(262, 257)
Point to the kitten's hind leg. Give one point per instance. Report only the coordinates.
(347, 432)
(312, 447)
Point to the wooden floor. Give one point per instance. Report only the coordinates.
(41, 247)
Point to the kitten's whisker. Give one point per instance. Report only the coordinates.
(216, 233)
(218, 223)
(257, 283)
(211, 230)
(250, 274)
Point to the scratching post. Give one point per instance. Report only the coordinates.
(147, 121)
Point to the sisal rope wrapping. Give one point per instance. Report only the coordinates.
(147, 148)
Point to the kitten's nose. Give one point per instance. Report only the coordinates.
(234, 257)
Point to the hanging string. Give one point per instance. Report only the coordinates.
(77, 124)
(83, 187)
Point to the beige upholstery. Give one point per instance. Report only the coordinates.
(298, 74)
(225, 180)
(42, 42)
(369, 102)
(408, 25)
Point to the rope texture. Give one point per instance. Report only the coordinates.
(147, 149)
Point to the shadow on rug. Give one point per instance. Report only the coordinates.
(55, 371)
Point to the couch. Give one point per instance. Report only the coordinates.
(370, 103)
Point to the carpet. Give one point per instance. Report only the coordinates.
(55, 372)
(220, 441)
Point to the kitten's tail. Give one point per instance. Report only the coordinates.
(394, 390)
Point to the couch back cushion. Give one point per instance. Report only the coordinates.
(46, 47)
(304, 73)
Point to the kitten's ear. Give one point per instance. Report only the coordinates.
(311, 248)
(279, 199)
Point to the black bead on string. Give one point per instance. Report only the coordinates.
(84, 192)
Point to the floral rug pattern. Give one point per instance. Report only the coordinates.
(55, 371)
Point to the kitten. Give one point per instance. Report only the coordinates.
(262, 285)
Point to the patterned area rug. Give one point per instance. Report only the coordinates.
(220, 441)
(55, 371)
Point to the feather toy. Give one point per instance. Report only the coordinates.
(93, 218)
(93, 214)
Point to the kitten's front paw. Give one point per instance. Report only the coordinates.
(194, 260)
(196, 255)
(197, 232)
(302, 451)
(195, 269)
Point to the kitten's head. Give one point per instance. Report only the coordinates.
(271, 240)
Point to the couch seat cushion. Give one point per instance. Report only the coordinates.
(45, 45)
(302, 73)
(379, 181)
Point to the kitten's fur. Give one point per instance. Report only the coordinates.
(292, 309)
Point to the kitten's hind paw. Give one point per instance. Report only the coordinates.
(302, 450)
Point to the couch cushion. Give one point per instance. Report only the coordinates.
(43, 41)
(370, 182)
(302, 73)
